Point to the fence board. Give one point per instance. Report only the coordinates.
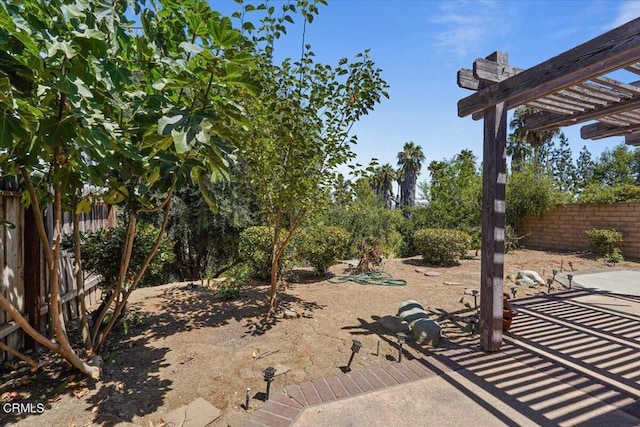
(12, 266)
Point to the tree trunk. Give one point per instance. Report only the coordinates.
(79, 273)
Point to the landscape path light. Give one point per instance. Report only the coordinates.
(570, 277)
(355, 347)
(269, 374)
(401, 338)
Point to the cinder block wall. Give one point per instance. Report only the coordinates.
(564, 226)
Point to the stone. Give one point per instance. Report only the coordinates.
(452, 283)
(281, 369)
(525, 281)
(426, 331)
(290, 314)
(96, 361)
(394, 324)
(432, 274)
(530, 274)
(411, 310)
(198, 413)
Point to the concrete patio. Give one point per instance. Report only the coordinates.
(571, 358)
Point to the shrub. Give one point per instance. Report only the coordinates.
(440, 246)
(102, 252)
(236, 279)
(599, 193)
(256, 247)
(529, 192)
(322, 246)
(603, 242)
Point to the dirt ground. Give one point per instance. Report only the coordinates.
(182, 342)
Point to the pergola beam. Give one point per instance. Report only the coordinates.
(543, 120)
(615, 49)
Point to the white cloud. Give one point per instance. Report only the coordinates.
(629, 10)
(465, 24)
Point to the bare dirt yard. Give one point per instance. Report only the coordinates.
(182, 342)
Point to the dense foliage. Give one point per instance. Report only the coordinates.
(322, 246)
(440, 246)
(101, 248)
(366, 217)
(604, 242)
(256, 250)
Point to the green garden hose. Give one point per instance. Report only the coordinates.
(372, 278)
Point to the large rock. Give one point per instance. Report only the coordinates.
(394, 324)
(411, 310)
(525, 281)
(530, 274)
(426, 331)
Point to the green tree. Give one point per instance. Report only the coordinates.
(524, 143)
(300, 132)
(88, 98)
(584, 169)
(562, 166)
(410, 162)
(383, 179)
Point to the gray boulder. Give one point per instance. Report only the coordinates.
(426, 331)
(411, 310)
(530, 274)
(394, 324)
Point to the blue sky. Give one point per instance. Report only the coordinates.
(421, 44)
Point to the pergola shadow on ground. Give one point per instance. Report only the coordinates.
(574, 87)
(571, 358)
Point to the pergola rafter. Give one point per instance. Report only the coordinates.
(578, 86)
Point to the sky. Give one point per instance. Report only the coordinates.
(421, 44)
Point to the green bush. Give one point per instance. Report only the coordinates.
(603, 242)
(529, 192)
(599, 193)
(236, 279)
(256, 247)
(102, 252)
(440, 246)
(322, 246)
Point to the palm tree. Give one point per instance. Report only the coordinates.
(410, 162)
(383, 179)
(521, 140)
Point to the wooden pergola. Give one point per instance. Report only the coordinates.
(581, 85)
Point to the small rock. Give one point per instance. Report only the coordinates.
(452, 283)
(530, 274)
(281, 369)
(96, 361)
(290, 314)
(509, 277)
(394, 324)
(432, 273)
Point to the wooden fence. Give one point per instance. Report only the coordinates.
(24, 273)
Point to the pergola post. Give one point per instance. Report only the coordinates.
(493, 216)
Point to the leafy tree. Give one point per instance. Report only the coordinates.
(300, 133)
(615, 167)
(584, 169)
(523, 143)
(206, 240)
(529, 192)
(562, 167)
(410, 162)
(455, 193)
(88, 98)
(382, 181)
(367, 218)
